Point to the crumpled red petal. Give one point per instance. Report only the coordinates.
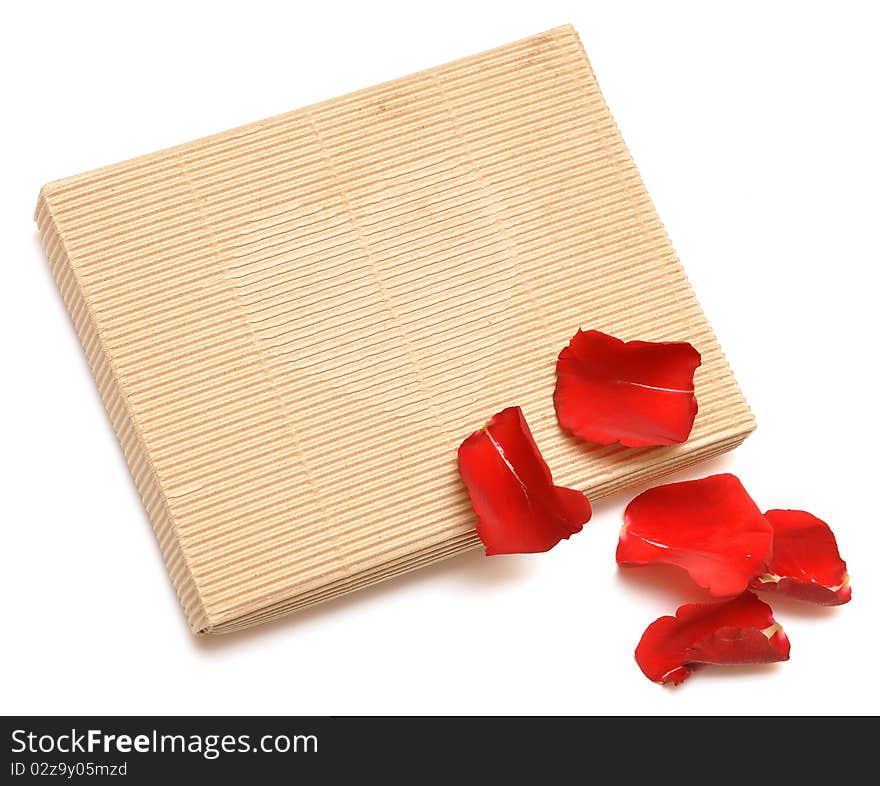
(732, 632)
(806, 563)
(511, 488)
(637, 393)
(709, 527)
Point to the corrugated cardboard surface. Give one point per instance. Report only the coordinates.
(294, 324)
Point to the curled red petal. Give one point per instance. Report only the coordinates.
(518, 507)
(637, 393)
(806, 563)
(709, 527)
(732, 632)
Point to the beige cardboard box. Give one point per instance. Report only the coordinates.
(295, 323)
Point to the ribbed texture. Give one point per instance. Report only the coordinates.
(294, 324)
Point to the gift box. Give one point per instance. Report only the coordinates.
(295, 323)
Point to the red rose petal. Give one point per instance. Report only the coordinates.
(710, 527)
(519, 508)
(637, 393)
(732, 632)
(806, 563)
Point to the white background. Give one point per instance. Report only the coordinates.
(755, 126)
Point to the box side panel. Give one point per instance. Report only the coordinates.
(130, 440)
